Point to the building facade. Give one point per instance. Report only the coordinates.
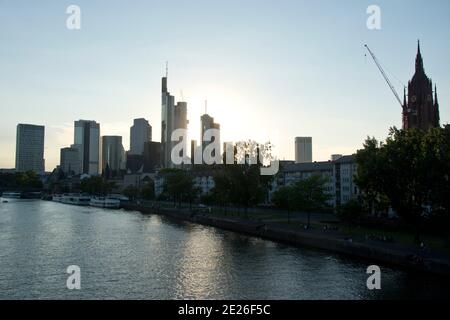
(30, 148)
(87, 140)
(344, 171)
(421, 109)
(113, 154)
(303, 150)
(172, 117)
(207, 123)
(70, 161)
(339, 173)
(140, 133)
(152, 156)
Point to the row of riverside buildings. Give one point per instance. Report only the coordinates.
(93, 154)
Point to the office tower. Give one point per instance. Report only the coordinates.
(135, 163)
(303, 149)
(421, 110)
(87, 140)
(167, 106)
(30, 148)
(140, 133)
(172, 117)
(113, 154)
(70, 160)
(207, 123)
(152, 156)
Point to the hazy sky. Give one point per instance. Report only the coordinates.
(269, 69)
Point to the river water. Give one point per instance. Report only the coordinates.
(128, 255)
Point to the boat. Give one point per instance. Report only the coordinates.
(76, 199)
(11, 195)
(123, 199)
(105, 202)
(57, 197)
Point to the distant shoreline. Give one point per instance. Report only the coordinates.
(409, 259)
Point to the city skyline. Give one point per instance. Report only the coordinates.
(287, 96)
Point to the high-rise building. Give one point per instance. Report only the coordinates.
(167, 106)
(70, 160)
(87, 140)
(30, 148)
(303, 149)
(152, 156)
(172, 117)
(140, 133)
(207, 123)
(113, 154)
(422, 109)
(135, 163)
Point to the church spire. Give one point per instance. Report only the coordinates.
(419, 60)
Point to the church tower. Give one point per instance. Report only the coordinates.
(421, 110)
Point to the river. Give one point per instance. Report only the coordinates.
(128, 255)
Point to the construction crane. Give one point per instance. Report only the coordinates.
(385, 76)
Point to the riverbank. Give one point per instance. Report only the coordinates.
(407, 257)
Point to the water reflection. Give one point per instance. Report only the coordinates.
(126, 255)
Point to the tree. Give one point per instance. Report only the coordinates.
(241, 183)
(96, 186)
(283, 199)
(179, 186)
(368, 179)
(350, 212)
(148, 191)
(23, 181)
(310, 194)
(131, 192)
(412, 170)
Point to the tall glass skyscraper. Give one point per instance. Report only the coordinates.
(30, 148)
(172, 117)
(113, 154)
(87, 140)
(140, 133)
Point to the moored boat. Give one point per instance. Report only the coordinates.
(105, 202)
(76, 199)
(11, 195)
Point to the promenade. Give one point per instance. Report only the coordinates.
(393, 254)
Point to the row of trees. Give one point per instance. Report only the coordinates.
(97, 186)
(409, 172)
(179, 186)
(307, 195)
(20, 181)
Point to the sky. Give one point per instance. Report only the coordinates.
(270, 70)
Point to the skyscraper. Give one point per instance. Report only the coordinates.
(87, 140)
(30, 148)
(207, 123)
(421, 110)
(140, 133)
(113, 154)
(152, 156)
(303, 149)
(167, 106)
(172, 117)
(70, 160)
